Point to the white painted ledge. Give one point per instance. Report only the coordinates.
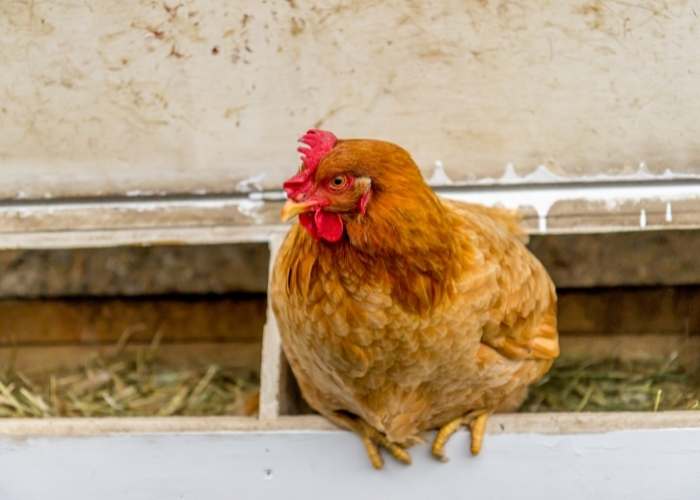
(245, 459)
(546, 208)
(512, 423)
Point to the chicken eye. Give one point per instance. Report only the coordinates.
(338, 182)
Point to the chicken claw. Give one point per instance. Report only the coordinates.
(475, 420)
(477, 427)
(374, 441)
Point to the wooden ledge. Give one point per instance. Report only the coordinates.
(517, 423)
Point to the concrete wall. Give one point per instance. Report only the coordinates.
(126, 96)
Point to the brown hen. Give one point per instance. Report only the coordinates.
(400, 312)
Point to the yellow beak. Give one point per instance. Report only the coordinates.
(292, 208)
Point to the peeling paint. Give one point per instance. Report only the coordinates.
(542, 175)
(542, 198)
(254, 183)
(439, 177)
(252, 209)
(245, 206)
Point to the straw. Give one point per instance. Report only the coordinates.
(128, 383)
(615, 385)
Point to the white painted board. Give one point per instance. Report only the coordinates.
(546, 208)
(633, 464)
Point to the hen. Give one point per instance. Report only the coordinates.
(401, 312)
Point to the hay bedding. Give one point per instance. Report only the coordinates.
(128, 383)
(576, 385)
(140, 383)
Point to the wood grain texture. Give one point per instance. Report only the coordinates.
(630, 311)
(643, 258)
(563, 209)
(653, 258)
(40, 359)
(634, 347)
(511, 423)
(126, 96)
(104, 321)
(642, 313)
(134, 271)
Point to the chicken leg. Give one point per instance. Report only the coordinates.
(475, 420)
(374, 441)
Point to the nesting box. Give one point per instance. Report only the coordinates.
(141, 157)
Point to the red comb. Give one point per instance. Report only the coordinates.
(315, 145)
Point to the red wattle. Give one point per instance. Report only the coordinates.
(322, 225)
(307, 222)
(329, 225)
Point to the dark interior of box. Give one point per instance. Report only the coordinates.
(173, 330)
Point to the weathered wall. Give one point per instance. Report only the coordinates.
(141, 95)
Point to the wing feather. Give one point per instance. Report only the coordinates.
(522, 321)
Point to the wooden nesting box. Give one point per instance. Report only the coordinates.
(133, 126)
(270, 453)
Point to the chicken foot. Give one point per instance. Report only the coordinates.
(475, 420)
(374, 441)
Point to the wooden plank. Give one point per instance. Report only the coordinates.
(205, 235)
(105, 321)
(644, 258)
(41, 359)
(629, 311)
(551, 209)
(135, 213)
(638, 258)
(138, 96)
(134, 271)
(214, 235)
(633, 347)
(275, 390)
(504, 423)
(586, 207)
(605, 311)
